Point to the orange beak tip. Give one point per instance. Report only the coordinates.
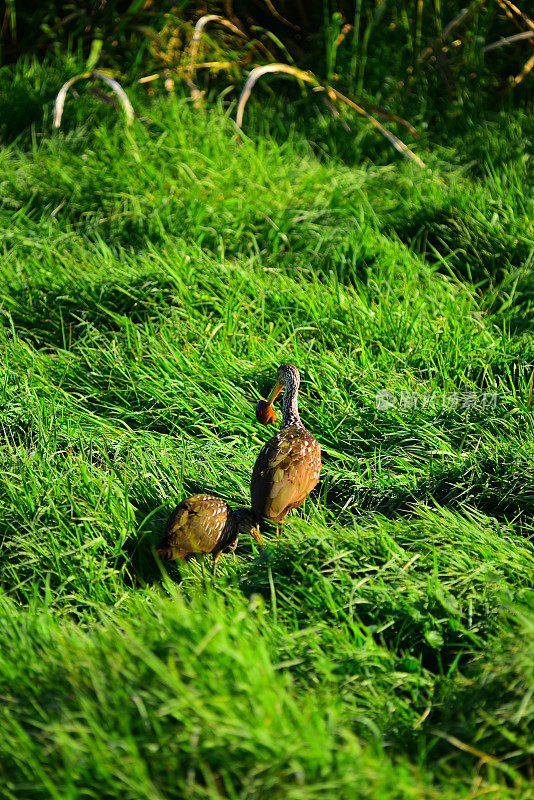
(265, 413)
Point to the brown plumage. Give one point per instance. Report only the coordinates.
(204, 524)
(289, 465)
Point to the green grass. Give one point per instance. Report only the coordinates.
(382, 647)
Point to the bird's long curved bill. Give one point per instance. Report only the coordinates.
(277, 388)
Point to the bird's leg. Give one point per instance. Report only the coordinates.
(203, 574)
(215, 559)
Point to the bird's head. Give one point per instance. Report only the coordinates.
(288, 378)
(247, 523)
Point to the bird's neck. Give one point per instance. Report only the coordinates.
(290, 406)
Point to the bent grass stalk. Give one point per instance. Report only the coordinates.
(334, 94)
(111, 82)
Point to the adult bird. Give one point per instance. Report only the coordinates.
(289, 465)
(205, 524)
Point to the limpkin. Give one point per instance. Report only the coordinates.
(289, 465)
(205, 524)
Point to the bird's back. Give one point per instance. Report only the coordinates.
(199, 524)
(286, 470)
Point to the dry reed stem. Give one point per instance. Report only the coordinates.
(333, 94)
(513, 12)
(517, 37)
(201, 23)
(464, 14)
(278, 16)
(507, 4)
(111, 82)
(467, 748)
(258, 72)
(524, 72)
(341, 35)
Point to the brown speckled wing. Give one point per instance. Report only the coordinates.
(286, 470)
(196, 525)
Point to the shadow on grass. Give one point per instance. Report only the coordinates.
(490, 705)
(500, 489)
(58, 316)
(476, 251)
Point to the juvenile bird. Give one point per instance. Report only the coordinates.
(205, 524)
(289, 465)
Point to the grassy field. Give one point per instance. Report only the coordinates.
(383, 647)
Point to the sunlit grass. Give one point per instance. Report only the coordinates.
(381, 647)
